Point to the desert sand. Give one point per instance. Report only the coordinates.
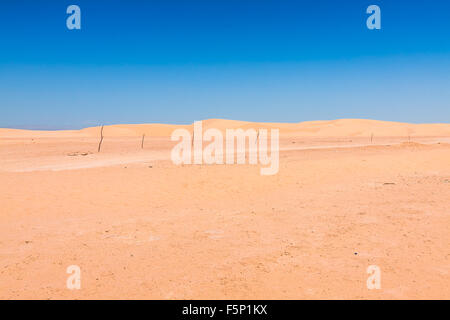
(349, 193)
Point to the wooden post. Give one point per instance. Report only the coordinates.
(142, 143)
(101, 140)
(371, 138)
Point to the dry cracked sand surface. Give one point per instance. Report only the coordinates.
(140, 227)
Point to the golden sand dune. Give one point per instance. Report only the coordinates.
(333, 128)
(139, 226)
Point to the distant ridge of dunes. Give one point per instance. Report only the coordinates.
(323, 128)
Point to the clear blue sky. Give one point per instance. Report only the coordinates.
(258, 60)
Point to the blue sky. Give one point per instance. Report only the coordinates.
(257, 60)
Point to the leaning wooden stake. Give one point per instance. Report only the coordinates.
(101, 140)
(257, 137)
(142, 142)
(371, 138)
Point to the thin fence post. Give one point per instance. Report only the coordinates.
(101, 140)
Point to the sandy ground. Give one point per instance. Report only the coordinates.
(140, 227)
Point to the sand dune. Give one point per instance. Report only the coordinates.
(334, 128)
(139, 226)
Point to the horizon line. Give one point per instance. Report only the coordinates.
(223, 119)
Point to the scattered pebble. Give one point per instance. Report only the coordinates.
(73, 154)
